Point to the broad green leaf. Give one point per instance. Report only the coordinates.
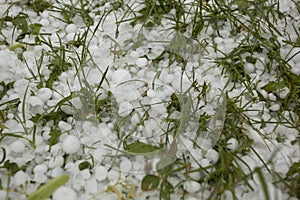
(84, 165)
(166, 190)
(12, 167)
(47, 190)
(150, 182)
(35, 28)
(140, 148)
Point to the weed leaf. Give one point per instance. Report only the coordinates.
(140, 147)
(47, 190)
(150, 182)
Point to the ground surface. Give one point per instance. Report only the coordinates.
(149, 99)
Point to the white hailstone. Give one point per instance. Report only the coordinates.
(10, 115)
(70, 36)
(71, 28)
(168, 78)
(76, 103)
(249, 68)
(105, 131)
(251, 163)
(29, 124)
(91, 185)
(52, 103)
(156, 106)
(71, 144)
(17, 146)
(20, 85)
(275, 107)
(125, 109)
(40, 169)
(44, 94)
(218, 40)
(64, 193)
(272, 97)
(136, 166)
(253, 112)
(284, 91)
(195, 175)
(141, 62)
(20, 178)
(205, 144)
(296, 68)
(290, 115)
(204, 162)
(85, 173)
(126, 165)
(56, 149)
(266, 116)
(255, 136)
(212, 155)
(86, 126)
(264, 93)
(109, 196)
(101, 173)
(151, 93)
(64, 126)
(121, 75)
(135, 119)
(269, 128)
(72, 168)
(232, 144)
(44, 22)
(35, 101)
(39, 140)
(36, 110)
(273, 191)
(56, 172)
(140, 128)
(134, 54)
(186, 144)
(94, 76)
(293, 133)
(40, 177)
(295, 52)
(260, 63)
(11, 124)
(191, 186)
(3, 193)
(56, 161)
(112, 175)
(281, 166)
(110, 126)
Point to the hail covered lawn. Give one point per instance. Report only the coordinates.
(146, 99)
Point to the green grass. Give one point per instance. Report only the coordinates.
(256, 22)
